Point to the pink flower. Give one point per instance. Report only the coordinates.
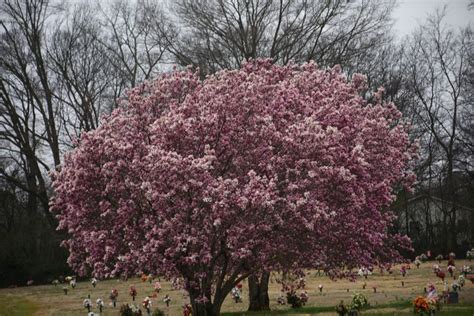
(249, 165)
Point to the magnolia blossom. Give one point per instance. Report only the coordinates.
(263, 168)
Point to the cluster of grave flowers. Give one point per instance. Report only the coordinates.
(262, 168)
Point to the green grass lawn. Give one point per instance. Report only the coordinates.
(393, 309)
(17, 306)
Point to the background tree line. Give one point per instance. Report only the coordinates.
(63, 66)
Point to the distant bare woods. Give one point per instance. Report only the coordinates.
(64, 66)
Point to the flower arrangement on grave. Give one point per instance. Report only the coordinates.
(374, 287)
(417, 262)
(423, 257)
(144, 277)
(100, 304)
(113, 297)
(157, 287)
(358, 302)
(439, 258)
(451, 260)
(470, 254)
(187, 310)
(133, 292)
(466, 269)
(290, 285)
(73, 283)
(150, 278)
(451, 270)
(441, 274)
(420, 305)
(130, 310)
(403, 270)
(176, 284)
(281, 300)
(320, 288)
(147, 305)
(55, 282)
(433, 298)
(461, 280)
(431, 290)
(236, 295)
(341, 309)
(167, 300)
(94, 282)
(87, 303)
(455, 286)
(427, 305)
(364, 272)
(436, 268)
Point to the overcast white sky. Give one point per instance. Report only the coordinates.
(410, 13)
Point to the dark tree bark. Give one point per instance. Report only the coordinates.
(210, 308)
(258, 292)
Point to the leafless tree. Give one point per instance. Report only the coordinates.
(29, 128)
(25, 62)
(27, 109)
(134, 41)
(221, 34)
(82, 76)
(436, 65)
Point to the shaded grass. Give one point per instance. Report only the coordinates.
(317, 309)
(17, 306)
(402, 308)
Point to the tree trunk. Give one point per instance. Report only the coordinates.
(205, 309)
(452, 236)
(258, 292)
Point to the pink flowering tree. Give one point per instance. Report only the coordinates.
(252, 170)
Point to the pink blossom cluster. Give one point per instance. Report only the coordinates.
(265, 167)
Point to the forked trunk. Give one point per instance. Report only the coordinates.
(206, 309)
(258, 292)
